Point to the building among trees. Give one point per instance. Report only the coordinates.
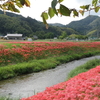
(13, 36)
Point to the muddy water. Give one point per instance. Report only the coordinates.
(27, 85)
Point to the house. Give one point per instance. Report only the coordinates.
(29, 39)
(35, 37)
(55, 37)
(13, 36)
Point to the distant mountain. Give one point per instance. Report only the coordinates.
(14, 23)
(57, 24)
(85, 25)
(11, 14)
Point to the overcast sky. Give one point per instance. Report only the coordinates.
(38, 6)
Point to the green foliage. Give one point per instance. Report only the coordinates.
(60, 1)
(51, 12)
(75, 13)
(91, 33)
(11, 5)
(13, 25)
(64, 10)
(74, 36)
(63, 35)
(94, 2)
(49, 35)
(65, 59)
(6, 72)
(54, 3)
(85, 7)
(45, 16)
(97, 9)
(27, 67)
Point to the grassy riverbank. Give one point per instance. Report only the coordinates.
(8, 98)
(17, 58)
(10, 71)
(83, 68)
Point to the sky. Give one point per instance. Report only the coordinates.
(39, 6)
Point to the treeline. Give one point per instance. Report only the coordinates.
(13, 23)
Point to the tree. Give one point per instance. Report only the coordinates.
(53, 10)
(49, 35)
(63, 35)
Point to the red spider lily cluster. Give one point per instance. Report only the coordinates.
(38, 50)
(84, 86)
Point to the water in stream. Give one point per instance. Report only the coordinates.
(27, 85)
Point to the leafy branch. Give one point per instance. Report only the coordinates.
(13, 6)
(65, 11)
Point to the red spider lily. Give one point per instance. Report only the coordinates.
(85, 86)
(39, 50)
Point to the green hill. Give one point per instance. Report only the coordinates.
(85, 25)
(14, 23)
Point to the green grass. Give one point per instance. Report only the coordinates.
(10, 45)
(27, 67)
(8, 98)
(50, 40)
(10, 71)
(83, 68)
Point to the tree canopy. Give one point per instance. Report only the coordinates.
(13, 6)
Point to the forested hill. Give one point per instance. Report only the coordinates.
(57, 24)
(14, 23)
(86, 25)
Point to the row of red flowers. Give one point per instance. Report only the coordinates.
(37, 50)
(84, 86)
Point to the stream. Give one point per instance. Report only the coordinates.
(28, 85)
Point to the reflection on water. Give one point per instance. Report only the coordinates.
(27, 85)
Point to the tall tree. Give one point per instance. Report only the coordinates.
(63, 35)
